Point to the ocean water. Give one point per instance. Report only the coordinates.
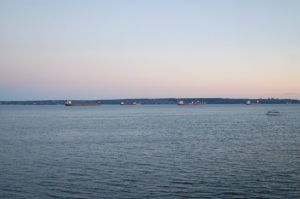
(163, 151)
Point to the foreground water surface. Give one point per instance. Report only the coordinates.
(163, 151)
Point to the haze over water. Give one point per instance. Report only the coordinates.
(163, 151)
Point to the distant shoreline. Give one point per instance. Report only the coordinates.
(147, 101)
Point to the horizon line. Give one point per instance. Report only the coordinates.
(233, 98)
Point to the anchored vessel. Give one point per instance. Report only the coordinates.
(250, 103)
(71, 103)
(129, 103)
(181, 103)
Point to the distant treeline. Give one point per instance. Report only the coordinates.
(160, 101)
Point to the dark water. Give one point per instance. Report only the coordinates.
(213, 151)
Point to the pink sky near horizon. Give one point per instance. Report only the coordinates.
(152, 74)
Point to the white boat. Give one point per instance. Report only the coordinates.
(273, 113)
(181, 103)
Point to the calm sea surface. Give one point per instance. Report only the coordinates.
(165, 151)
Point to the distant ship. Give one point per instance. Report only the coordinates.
(129, 103)
(71, 103)
(182, 103)
(250, 103)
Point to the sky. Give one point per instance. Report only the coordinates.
(93, 49)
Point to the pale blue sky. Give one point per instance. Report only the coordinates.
(113, 49)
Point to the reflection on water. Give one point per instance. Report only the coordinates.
(167, 151)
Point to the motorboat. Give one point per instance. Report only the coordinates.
(273, 113)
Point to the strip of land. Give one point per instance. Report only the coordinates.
(158, 101)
